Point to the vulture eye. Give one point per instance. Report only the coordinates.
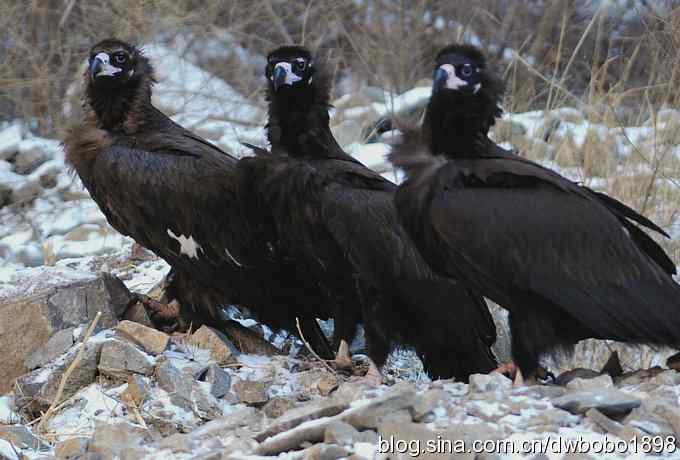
(120, 58)
(466, 71)
(300, 65)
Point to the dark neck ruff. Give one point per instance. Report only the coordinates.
(454, 129)
(115, 108)
(298, 119)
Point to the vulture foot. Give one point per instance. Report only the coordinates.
(342, 361)
(160, 310)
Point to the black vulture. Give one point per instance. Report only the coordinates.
(177, 195)
(336, 219)
(567, 262)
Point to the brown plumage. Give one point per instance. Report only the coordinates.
(177, 195)
(567, 262)
(336, 219)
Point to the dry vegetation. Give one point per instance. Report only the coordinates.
(617, 65)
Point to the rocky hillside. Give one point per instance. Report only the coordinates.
(85, 375)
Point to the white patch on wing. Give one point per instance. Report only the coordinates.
(626, 231)
(453, 82)
(107, 69)
(233, 259)
(291, 77)
(187, 245)
(478, 86)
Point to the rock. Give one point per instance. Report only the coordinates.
(138, 390)
(119, 359)
(10, 138)
(176, 383)
(138, 314)
(46, 308)
(221, 348)
(341, 433)
(251, 392)
(218, 378)
(609, 401)
(110, 439)
(428, 401)
(178, 443)
(30, 255)
(26, 192)
(297, 416)
(480, 383)
(207, 406)
(607, 424)
(325, 452)
(39, 387)
(580, 373)
(388, 407)
(58, 344)
(278, 406)
(22, 438)
(594, 383)
(71, 448)
(347, 132)
(28, 160)
(151, 340)
(245, 419)
(540, 391)
(5, 195)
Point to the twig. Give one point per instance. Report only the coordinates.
(309, 347)
(67, 374)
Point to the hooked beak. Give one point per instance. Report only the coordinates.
(440, 78)
(279, 76)
(96, 67)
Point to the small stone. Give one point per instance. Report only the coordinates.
(594, 383)
(21, 437)
(5, 195)
(480, 383)
(27, 192)
(219, 380)
(178, 443)
(119, 359)
(110, 439)
(28, 160)
(207, 406)
(278, 406)
(299, 415)
(389, 407)
(30, 254)
(151, 340)
(221, 348)
(138, 390)
(326, 452)
(609, 401)
(176, 383)
(341, 433)
(429, 401)
(71, 448)
(327, 383)
(674, 362)
(638, 377)
(251, 392)
(58, 344)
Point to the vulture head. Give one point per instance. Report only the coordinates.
(465, 86)
(289, 67)
(113, 64)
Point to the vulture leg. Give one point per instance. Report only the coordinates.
(343, 361)
(160, 310)
(509, 369)
(373, 375)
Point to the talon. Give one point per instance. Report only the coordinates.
(373, 376)
(343, 360)
(160, 310)
(518, 381)
(510, 369)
